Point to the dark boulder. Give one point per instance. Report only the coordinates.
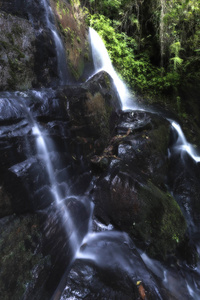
(184, 176)
(92, 109)
(22, 262)
(15, 7)
(132, 194)
(113, 270)
(36, 249)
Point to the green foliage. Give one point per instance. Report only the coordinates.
(136, 70)
(175, 49)
(131, 31)
(182, 28)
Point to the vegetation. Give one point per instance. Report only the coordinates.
(154, 45)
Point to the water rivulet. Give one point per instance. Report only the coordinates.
(96, 202)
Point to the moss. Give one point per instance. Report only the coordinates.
(17, 30)
(18, 56)
(10, 38)
(4, 45)
(19, 53)
(162, 225)
(71, 22)
(19, 245)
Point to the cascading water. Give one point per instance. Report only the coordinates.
(108, 248)
(102, 61)
(182, 145)
(95, 249)
(44, 149)
(60, 49)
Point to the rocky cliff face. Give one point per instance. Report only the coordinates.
(17, 52)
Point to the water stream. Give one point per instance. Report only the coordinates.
(182, 145)
(108, 247)
(102, 61)
(170, 277)
(60, 49)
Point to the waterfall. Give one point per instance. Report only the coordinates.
(182, 145)
(60, 49)
(102, 61)
(105, 247)
(44, 147)
(94, 250)
(162, 14)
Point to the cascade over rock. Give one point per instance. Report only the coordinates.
(65, 147)
(132, 193)
(92, 109)
(57, 111)
(28, 50)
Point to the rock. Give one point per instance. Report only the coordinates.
(92, 110)
(183, 180)
(132, 193)
(15, 7)
(36, 251)
(28, 50)
(71, 24)
(17, 53)
(57, 229)
(22, 262)
(5, 203)
(109, 276)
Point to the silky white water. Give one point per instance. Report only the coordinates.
(60, 49)
(43, 151)
(102, 61)
(182, 144)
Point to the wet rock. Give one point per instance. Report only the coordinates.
(124, 278)
(16, 7)
(132, 194)
(61, 236)
(36, 250)
(70, 19)
(85, 281)
(22, 262)
(184, 175)
(5, 203)
(92, 109)
(45, 67)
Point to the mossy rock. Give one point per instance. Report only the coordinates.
(17, 53)
(161, 224)
(92, 110)
(21, 260)
(151, 216)
(71, 24)
(132, 193)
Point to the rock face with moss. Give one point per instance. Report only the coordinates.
(92, 109)
(35, 242)
(16, 53)
(28, 55)
(70, 18)
(132, 194)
